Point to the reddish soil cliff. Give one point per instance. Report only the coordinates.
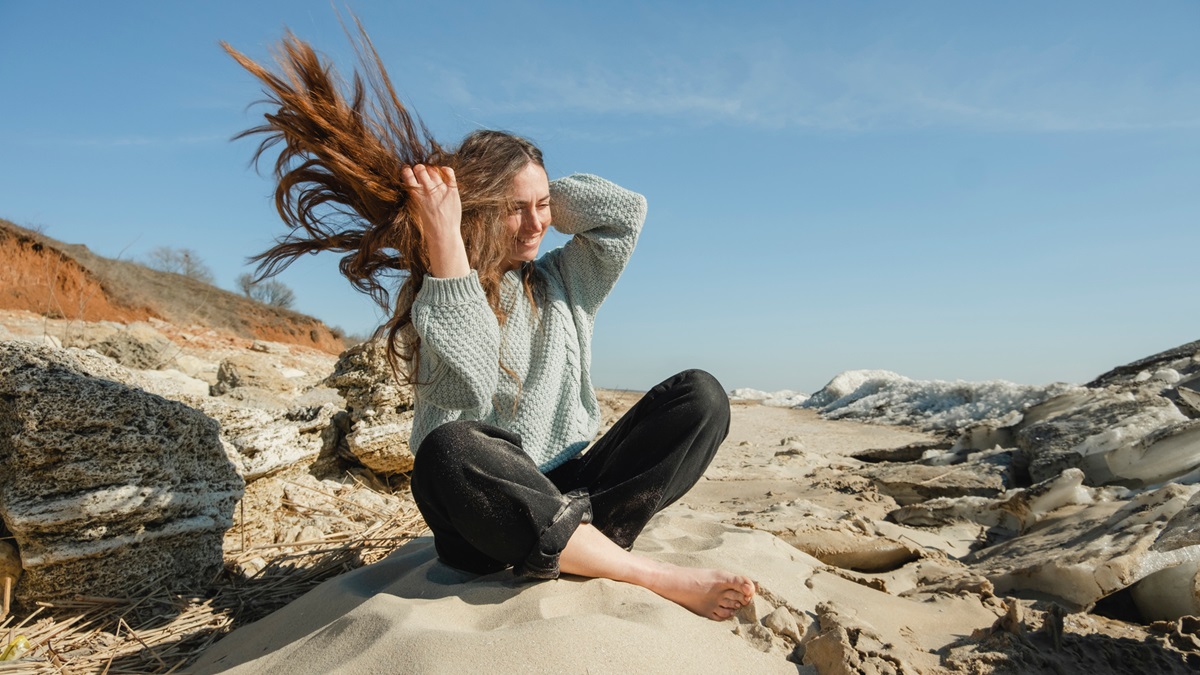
(42, 275)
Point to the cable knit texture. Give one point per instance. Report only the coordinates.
(463, 345)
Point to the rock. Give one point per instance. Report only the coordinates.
(933, 577)
(854, 551)
(263, 441)
(365, 379)
(783, 623)
(1174, 592)
(1008, 515)
(1170, 593)
(1190, 398)
(1183, 530)
(850, 646)
(1133, 438)
(268, 347)
(383, 448)
(198, 368)
(913, 483)
(102, 485)
(905, 453)
(380, 408)
(1181, 359)
(173, 384)
(246, 370)
(252, 371)
(1086, 555)
(136, 345)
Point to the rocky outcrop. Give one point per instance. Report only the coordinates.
(379, 408)
(1093, 488)
(262, 441)
(914, 483)
(1136, 425)
(1112, 435)
(1082, 557)
(1181, 359)
(136, 345)
(102, 485)
(247, 371)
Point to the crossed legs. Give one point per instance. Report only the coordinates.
(489, 507)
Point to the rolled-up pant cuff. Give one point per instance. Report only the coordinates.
(542, 561)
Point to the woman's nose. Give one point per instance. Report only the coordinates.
(530, 219)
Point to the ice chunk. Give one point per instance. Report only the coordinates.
(1089, 554)
(1169, 594)
(883, 396)
(784, 398)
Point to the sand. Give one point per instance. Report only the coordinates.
(410, 613)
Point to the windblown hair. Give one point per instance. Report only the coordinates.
(340, 186)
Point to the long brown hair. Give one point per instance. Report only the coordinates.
(339, 185)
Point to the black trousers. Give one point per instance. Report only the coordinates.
(490, 507)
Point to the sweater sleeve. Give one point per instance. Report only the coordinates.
(605, 220)
(460, 344)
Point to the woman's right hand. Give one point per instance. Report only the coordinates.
(435, 204)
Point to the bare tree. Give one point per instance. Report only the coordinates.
(183, 261)
(274, 293)
(245, 283)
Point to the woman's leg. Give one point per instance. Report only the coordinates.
(652, 456)
(488, 505)
(648, 460)
(713, 594)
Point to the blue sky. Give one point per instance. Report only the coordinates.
(948, 190)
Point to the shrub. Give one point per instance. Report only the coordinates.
(183, 261)
(274, 293)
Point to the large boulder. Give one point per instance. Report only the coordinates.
(379, 408)
(102, 485)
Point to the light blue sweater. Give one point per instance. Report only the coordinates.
(463, 345)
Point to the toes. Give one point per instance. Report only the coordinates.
(722, 614)
(732, 599)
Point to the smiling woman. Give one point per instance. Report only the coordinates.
(497, 341)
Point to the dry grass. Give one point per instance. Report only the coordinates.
(158, 631)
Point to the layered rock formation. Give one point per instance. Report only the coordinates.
(378, 407)
(103, 484)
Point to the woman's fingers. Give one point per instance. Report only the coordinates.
(435, 202)
(436, 208)
(428, 178)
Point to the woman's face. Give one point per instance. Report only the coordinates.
(526, 223)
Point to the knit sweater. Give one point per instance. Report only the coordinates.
(464, 349)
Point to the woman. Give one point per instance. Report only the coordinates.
(498, 341)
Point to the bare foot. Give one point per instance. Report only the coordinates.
(713, 594)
